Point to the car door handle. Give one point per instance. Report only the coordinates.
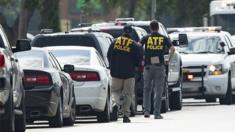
(12, 59)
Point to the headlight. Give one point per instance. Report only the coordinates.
(215, 70)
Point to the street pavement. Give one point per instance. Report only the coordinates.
(196, 116)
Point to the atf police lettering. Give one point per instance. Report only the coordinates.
(123, 44)
(155, 43)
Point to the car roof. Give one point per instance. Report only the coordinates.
(70, 48)
(72, 34)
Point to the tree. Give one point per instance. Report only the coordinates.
(48, 9)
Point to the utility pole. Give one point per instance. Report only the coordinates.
(154, 9)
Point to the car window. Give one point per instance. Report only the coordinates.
(33, 59)
(54, 62)
(104, 44)
(64, 40)
(141, 32)
(1, 42)
(4, 43)
(72, 56)
(101, 62)
(146, 28)
(203, 44)
(162, 30)
(228, 41)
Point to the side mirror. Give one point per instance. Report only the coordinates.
(68, 68)
(183, 39)
(222, 44)
(175, 43)
(22, 45)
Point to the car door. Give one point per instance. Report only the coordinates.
(231, 59)
(65, 81)
(14, 70)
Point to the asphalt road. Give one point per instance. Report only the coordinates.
(196, 116)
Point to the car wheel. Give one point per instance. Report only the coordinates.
(228, 97)
(20, 120)
(114, 114)
(8, 123)
(210, 100)
(175, 98)
(105, 115)
(71, 120)
(165, 102)
(57, 120)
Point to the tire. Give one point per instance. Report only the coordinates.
(57, 120)
(210, 100)
(72, 117)
(165, 102)
(105, 115)
(20, 120)
(175, 100)
(228, 100)
(8, 123)
(114, 115)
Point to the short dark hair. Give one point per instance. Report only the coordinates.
(127, 29)
(154, 25)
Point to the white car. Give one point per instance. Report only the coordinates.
(208, 66)
(91, 80)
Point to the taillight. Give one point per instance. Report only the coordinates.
(2, 60)
(36, 80)
(84, 76)
(142, 67)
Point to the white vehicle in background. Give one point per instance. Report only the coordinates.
(91, 81)
(208, 64)
(222, 13)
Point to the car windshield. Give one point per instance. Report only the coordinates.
(72, 56)
(202, 45)
(66, 40)
(32, 59)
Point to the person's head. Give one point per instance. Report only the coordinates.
(127, 29)
(154, 26)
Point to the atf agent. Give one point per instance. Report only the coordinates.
(154, 46)
(124, 57)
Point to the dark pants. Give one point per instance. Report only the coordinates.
(154, 77)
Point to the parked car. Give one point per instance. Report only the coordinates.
(208, 63)
(49, 89)
(12, 96)
(100, 41)
(92, 81)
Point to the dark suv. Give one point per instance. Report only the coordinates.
(100, 41)
(12, 108)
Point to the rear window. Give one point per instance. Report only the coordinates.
(118, 32)
(73, 57)
(32, 59)
(47, 41)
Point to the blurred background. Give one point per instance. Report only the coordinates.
(19, 17)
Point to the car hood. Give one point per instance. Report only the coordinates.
(201, 59)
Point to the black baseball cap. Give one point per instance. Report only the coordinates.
(127, 29)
